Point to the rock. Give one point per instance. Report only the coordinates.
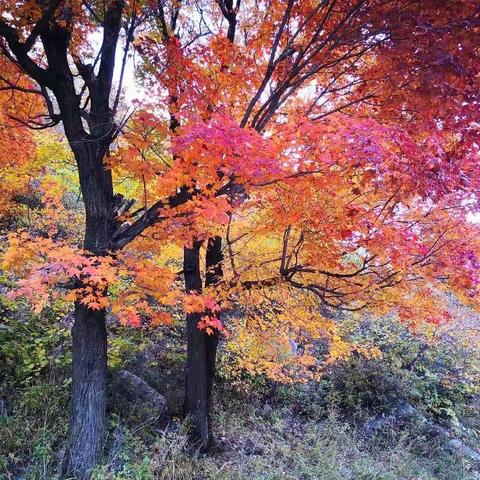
(396, 419)
(266, 409)
(457, 446)
(134, 389)
(163, 372)
(375, 424)
(67, 320)
(405, 413)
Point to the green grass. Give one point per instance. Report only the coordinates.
(33, 430)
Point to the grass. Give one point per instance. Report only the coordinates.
(256, 441)
(33, 430)
(277, 446)
(263, 431)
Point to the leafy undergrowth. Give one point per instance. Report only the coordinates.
(257, 439)
(270, 444)
(264, 431)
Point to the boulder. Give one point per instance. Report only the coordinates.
(457, 446)
(132, 388)
(406, 413)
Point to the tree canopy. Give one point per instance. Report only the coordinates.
(321, 155)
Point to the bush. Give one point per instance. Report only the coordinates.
(31, 344)
(363, 387)
(272, 444)
(33, 430)
(437, 372)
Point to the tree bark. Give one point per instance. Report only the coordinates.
(196, 406)
(88, 423)
(201, 347)
(214, 273)
(90, 146)
(196, 382)
(89, 348)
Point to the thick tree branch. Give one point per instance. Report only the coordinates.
(20, 52)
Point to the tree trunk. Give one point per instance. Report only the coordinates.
(214, 273)
(196, 407)
(201, 347)
(88, 424)
(197, 373)
(90, 147)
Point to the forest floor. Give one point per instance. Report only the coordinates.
(263, 432)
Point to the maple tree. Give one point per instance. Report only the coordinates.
(315, 105)
(18, 166)
(318, 153)
(49, 44)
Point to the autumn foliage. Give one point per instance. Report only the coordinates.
(352, 180)
(332, 145)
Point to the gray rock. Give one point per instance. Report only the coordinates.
(457, 446)
(134, 389)
(398, 417)
(406, 413)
